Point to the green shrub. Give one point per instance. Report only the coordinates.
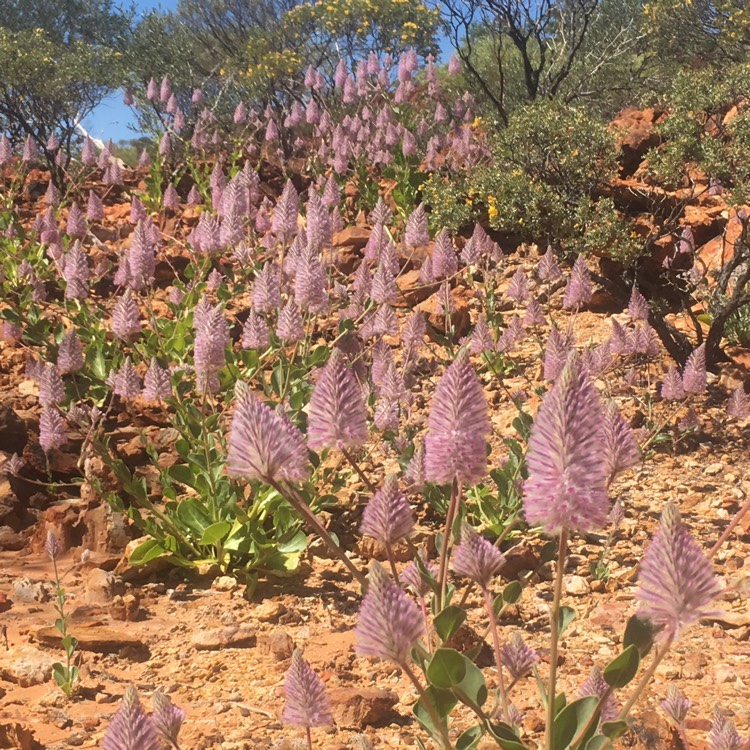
(541, 183)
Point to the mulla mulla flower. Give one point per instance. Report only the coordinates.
(455, 444)
(389, 622)
(694, 379)
(677, 585)
(566, 487)
(337, 416)
(131, 728)
(265, 446)
(477, 558)
(307, 703)
(387, 517)
(579, 289)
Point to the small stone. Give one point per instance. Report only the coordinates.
(269, 611)
(28, 591)
(125, 608)
(714, 469)
(100, 586)
(225, 583)
(355, 708)
(725, 674)
(230, 636)
(27, 666)
(278, 644)
(17, 736)
(576, 586)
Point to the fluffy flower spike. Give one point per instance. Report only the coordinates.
(566, 487)
(307, 704)
(677, 582)
(455, 444)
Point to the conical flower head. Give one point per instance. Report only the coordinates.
(70, 354)
(671, 387)
(156, 385)
(596, 686)
(694, 378)
(131, 728)
(637, 307)
(255, 334)
(620, 445)
(126, 324)
(518, 289)
(337, 416)
(52, 432)
(476, 558)
(676, 705)
(579, 290)
(738, 406)
(127, 384)
(307, 704)
(416, 233)
(289, 327)
(211, 341)
(285, 214)
(389, 623)
(556, 354)
(455, 444)
(481, 337)
(548, 269)
(263, 445)
(388, 516)
(94, 207)
(412, 577)
(51, 387)
(677, 585)
(518, 657)
(444, 261)
(566, 487)
(723, 734)
(167, 718)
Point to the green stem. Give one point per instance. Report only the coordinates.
(348, 456)
(445, 741)
(648, 674)
(449, 519)
(312, 520)
(503, 695)
(555, 637)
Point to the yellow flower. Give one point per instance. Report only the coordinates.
(492, 212)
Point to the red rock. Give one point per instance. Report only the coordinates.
(412, 290)
(352, 237)
(638, 136)
(357, 707)
(459, 318)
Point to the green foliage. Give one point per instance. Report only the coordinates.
(708, 126)
(542, 183)
(57, 67)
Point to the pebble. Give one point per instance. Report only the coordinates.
(714, 469)
(234, 636)
(29, 667)
(269, 611)
(576, 586)
(225, 583)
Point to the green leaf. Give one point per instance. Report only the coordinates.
(565, 616)
(470, 738)
(449, 669)
(449, 621)
(614, 729)
(512, 592)
(639, 632)
(442, 700)
(216, 532)
(572, 720)
(621, 670)
(505, 737)
(599, 743)
(147, 551)
(193, 515)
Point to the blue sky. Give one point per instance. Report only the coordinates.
(112, 119)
